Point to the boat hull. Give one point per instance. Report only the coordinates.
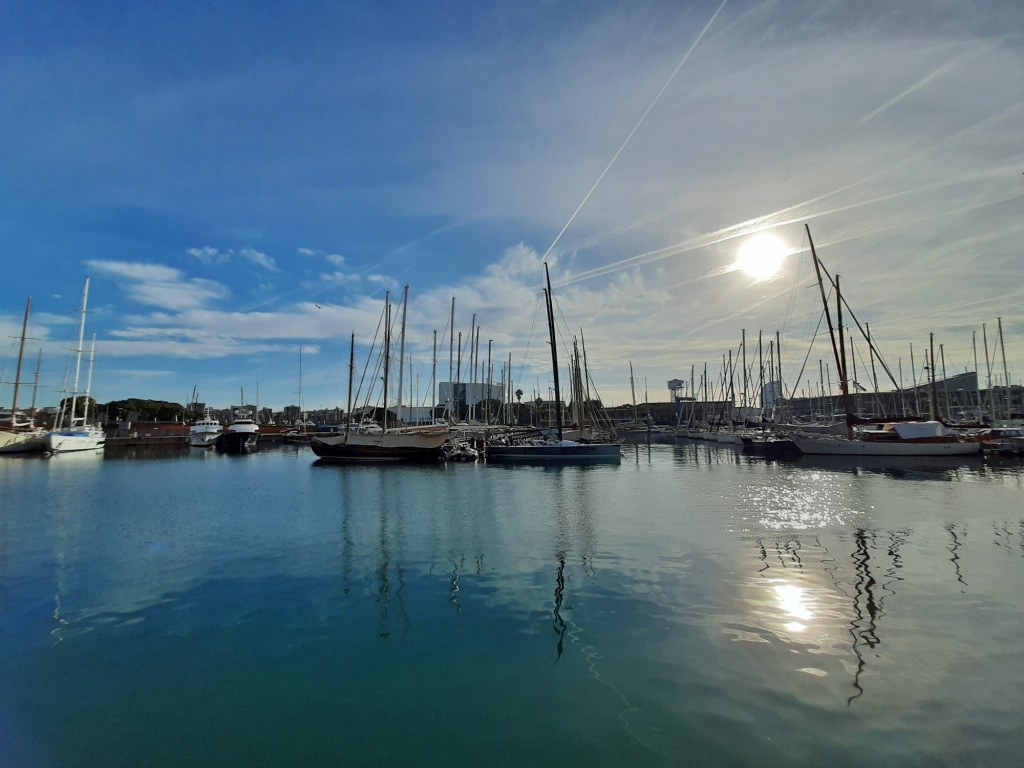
(392, 446)
(203, 439)
(237, 442)
(555, 452)
(22, 441)
(77, 439)
(840, 446)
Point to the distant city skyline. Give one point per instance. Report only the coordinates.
(247, 180)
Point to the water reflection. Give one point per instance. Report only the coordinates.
(942, 468)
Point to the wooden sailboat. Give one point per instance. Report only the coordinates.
(560, 449)
(25, 436)
(373, 442)
(920, 438)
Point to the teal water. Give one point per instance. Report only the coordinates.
(688, 607)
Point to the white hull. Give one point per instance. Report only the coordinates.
(204, 433)
(22, 441)
(87, 438)
(841, 446)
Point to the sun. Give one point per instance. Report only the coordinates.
(761, 256)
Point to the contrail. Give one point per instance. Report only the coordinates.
(797, 213)
(636, 127)
(928, 78)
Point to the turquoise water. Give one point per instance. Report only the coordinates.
(689, 607)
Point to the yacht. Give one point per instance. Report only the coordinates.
(204, 432)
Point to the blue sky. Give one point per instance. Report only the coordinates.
(242, 180)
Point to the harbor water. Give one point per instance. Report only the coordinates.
(688, 606)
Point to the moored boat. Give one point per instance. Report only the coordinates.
(204, 432)
(424, 443)
(21, 436)
(914, 438)
(241, 436)
(74, 432)
(556, 449)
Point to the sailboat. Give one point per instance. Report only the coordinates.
(302, 430)
(560, 449)
(21, 437)
(908, 438)
(373, 442)
(76, 433)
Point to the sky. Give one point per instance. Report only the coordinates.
(245, 182)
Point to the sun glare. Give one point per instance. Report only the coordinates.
(761, 256)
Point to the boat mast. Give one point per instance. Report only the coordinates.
(401, 354)
(35, 387)
(351, 373)
(17, 375)
(988, 374)
(554, 351)
(934, 410)
(387, 354)
(1006, 373)
(837, 352)
(78, 352)
(913, 381)
(88, 381)
(977, 383)
(451, 363)
(632, 389)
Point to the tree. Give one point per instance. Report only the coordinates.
(146, 410)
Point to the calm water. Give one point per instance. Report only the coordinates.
(688, 607)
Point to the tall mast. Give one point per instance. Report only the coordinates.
(977, 383)
(88, 380)
(35, 387)
(828, 319)
(433, 382)
(78, 352)
(387, 354)
(934, 410)
(1006, 373)
(17, 375)
(760, 375)
(401, 354)
(351, 372)
(843, 380)
(632, 389)
(451, 362)
(554, 352)
(913, 381)
(988, 373)
(745, 382)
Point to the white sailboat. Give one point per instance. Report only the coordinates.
(75, 433)
(15, 436)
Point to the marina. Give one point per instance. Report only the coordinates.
(688, 605)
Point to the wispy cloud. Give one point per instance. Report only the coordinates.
(209, 255)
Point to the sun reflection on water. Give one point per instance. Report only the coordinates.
(793, 602)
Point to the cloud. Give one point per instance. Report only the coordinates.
(135, 270)
(258, 258)
(209, 255)
(338, 278)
